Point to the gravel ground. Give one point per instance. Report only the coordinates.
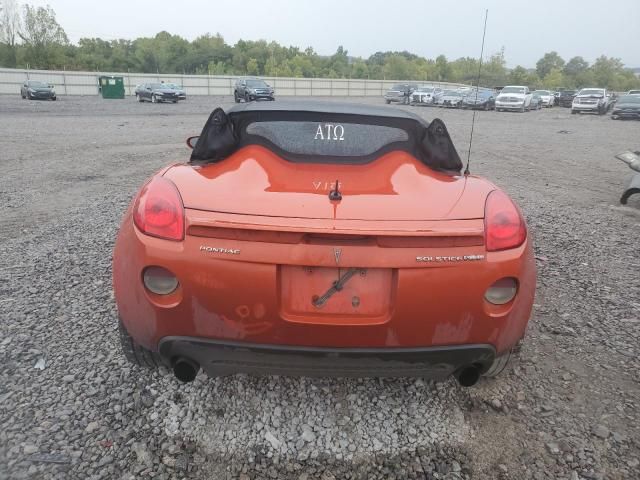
(71, 407)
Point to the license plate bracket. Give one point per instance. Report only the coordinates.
(366, 298)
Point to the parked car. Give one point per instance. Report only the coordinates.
(425, 95)
(546, 97)
(591, 100)
(250, 89)
(485, 100)
(284, 247)
(451, 99)
(33, 90)
(182, 94)
(536, 101)
(633, 92)
(400, 93)
(156, 93)
(627, 106)
(514, 97)
(565, 98)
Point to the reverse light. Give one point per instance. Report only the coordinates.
(504, 227)
(159, 211)
(502, 291)
(159, 280)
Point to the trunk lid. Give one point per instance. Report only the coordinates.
(395, 187)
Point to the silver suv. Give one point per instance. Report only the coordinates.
(250, 89)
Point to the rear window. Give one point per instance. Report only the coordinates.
(326, 138)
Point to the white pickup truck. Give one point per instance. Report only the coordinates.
(514, 97)
(592, 100)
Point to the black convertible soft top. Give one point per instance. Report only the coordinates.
(326, 132)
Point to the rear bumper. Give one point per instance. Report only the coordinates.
(252, 297)
(219, 358)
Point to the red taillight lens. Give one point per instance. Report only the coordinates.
(159, 211)
(504, 227)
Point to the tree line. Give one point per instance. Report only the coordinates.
(30, 37)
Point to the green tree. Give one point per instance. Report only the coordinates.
(443, 69)
(252, 66)
(548, 62)
(44, 39)
(207, 49)
(606, 71)
(575, 67)
(554, 79)
(397, 67)
(464, 70)
(10, 25)
(494, 70)
(519, 76)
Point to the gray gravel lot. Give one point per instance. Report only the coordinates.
(71, 407)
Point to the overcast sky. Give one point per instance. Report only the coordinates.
(526, 29)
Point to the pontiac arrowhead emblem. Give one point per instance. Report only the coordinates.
(336, 253)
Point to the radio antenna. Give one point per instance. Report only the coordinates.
(473, 121)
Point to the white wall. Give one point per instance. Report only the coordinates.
(86, 83)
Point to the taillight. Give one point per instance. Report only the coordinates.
(159, 211)
(504, 227)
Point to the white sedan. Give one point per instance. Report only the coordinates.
(546, 96)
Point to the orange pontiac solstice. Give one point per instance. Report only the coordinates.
(325, 239)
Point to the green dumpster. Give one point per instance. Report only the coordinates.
(111, 86)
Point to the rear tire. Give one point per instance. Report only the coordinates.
(388, 101)
(136, 354)
(54, 98)
(236, 97)
(246, 98)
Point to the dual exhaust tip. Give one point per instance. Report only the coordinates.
(186, 370)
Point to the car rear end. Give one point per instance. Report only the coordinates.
(247, 265)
